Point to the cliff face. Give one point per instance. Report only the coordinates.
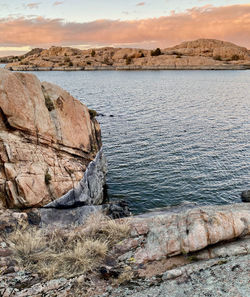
(198, 53)
(47, 140)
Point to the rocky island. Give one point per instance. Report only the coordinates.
(56, 234)
(198, 54)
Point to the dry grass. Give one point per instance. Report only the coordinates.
(125, 277)
(61, 253)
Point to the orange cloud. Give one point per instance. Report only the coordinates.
(141, 4)
(58, 3)
(33, 5)
(231, 23)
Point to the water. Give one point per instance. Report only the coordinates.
(175, 136)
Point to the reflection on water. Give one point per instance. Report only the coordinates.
(175, 136)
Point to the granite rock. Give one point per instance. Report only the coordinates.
(47, 140)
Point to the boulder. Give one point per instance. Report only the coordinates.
(47, 140)
(245, 196)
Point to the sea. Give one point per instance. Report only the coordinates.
(170, 137)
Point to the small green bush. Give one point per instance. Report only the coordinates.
(141, 55)
(235, 58)
(92, 113)
(93, 53)
(217, 58)
(49, 103)
(156, 52)
(47, 178)
(67, 60)
(128, 60)
(107, 61)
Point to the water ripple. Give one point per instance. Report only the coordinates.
(175, 136)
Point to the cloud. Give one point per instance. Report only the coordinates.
(33, 5)
(58, 3)
(231, 23)
(141, 4)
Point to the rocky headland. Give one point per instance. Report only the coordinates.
(198, 54)
(48, 139)
(56, 235)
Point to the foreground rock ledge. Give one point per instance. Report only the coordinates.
(47, 140)
(170, 234)
(204, 249)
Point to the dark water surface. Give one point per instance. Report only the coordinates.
(175, 136)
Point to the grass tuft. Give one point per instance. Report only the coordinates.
(66, 253)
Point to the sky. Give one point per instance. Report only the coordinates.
(25, 24)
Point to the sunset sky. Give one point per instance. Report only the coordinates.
(25, 24)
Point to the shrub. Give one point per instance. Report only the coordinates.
(235, 58)
(141, 55)
(93, 53)
(49, 103)
(217, 58)
(47, 178)
(67, 60)
(71, 64)
(128, 60)
(156, 52)
(107, 61)
(92, 113)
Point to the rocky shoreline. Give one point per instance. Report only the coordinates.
(132, 68)
(54, 211)
(201, 54)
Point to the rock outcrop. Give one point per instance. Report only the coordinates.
(198, 54)
(169, 234)
(47, 140)
(245, 196)
(216, 49)
(205, 249)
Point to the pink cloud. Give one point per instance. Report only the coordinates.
(231, 23)
(33, 5)
(58, 3)
(141, 4)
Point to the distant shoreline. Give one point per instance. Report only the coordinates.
(130, 68)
